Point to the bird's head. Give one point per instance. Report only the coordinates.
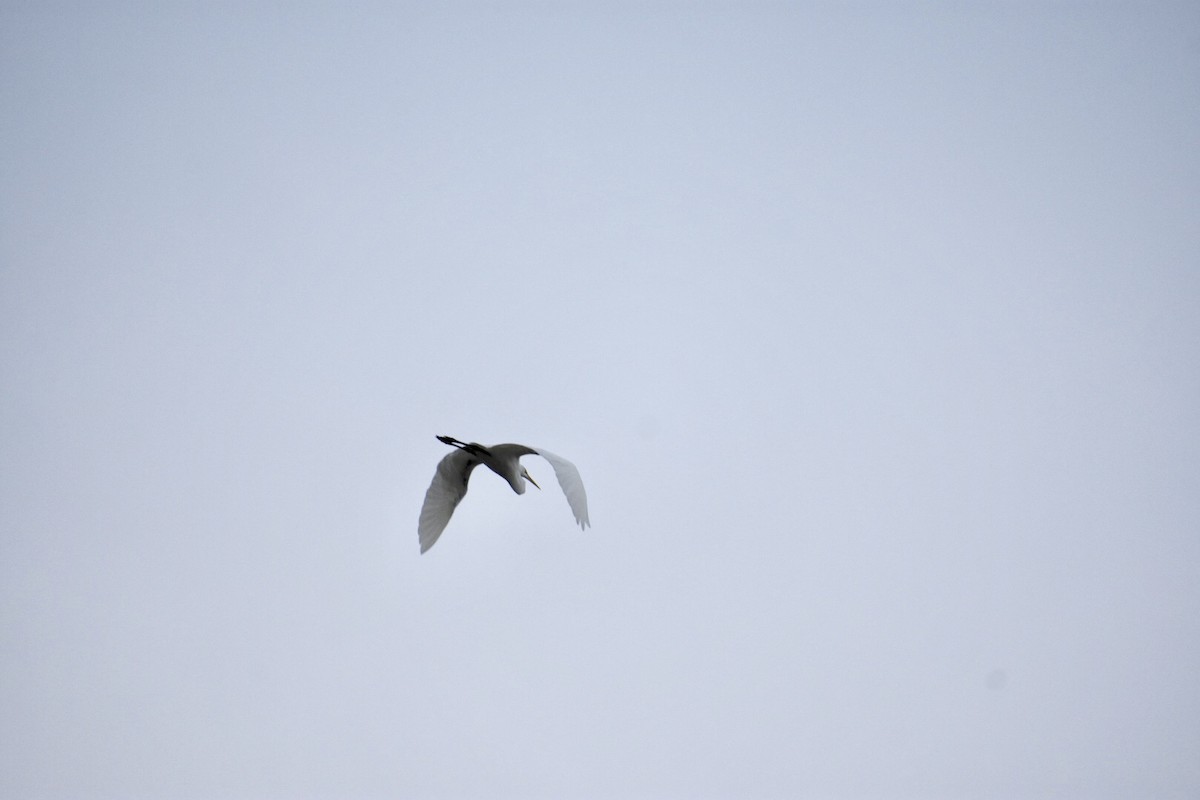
(525, 474)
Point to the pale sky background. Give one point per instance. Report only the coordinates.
(874, 330)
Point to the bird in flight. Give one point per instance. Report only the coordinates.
(449, 485)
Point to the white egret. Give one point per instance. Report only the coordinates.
(450, 482)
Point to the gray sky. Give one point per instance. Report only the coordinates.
(874, 331)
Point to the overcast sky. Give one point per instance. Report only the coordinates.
(873, 329)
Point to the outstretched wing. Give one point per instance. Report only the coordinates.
(448, 488)
(571, 483)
